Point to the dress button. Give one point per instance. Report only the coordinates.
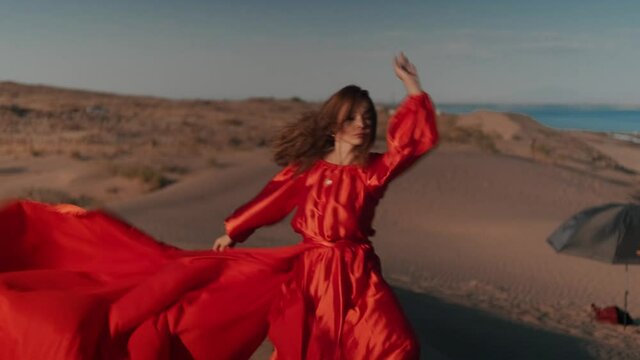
(327, 182)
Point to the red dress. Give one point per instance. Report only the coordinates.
(78, 284)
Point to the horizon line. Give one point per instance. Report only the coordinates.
(379, 101)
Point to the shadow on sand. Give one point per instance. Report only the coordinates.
(451, 331)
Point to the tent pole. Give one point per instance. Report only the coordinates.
(626, 293)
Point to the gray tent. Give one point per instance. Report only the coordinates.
(608, 233)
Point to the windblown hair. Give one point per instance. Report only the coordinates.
(309, 138)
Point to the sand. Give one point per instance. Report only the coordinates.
(461, 235)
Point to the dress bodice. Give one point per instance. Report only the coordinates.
(337, 202)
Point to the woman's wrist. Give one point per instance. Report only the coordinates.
(413, 87)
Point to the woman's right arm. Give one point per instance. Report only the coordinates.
(277, 199)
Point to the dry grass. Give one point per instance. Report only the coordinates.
(40, 120)
(451, 132)
(78, 155)
(16, 110)
(175, 169)
(55, 196)
(215, 162)
(154, 179)
(62, 120)
(36, 152)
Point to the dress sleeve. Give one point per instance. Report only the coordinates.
(411, 133)
(271, 205)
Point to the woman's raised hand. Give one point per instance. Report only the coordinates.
(222, 243)
(408, 73)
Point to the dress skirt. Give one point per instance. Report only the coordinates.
(77, 284)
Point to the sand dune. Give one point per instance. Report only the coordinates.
(461, 236)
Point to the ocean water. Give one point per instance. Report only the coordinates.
(592, 118)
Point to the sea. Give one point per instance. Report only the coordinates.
(621, 122)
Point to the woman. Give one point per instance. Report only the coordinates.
(78, 284)
(350, 311)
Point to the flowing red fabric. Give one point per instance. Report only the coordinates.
(78, 284)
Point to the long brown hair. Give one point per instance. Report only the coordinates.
(309, 138)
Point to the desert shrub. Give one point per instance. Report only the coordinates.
(626, 170)
(55, 196)
(17, 110)
(36, 152)
(153, 178)
(262, 141)
(542, 149)
(470, 135)
(598, 158)
(215, 162)
(175, 169)
(261, 99)
(126, 135)
(77, 155)
(233, 122)
(235, 142)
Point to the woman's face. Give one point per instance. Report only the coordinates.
(355, 126)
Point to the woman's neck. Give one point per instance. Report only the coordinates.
(340, 155)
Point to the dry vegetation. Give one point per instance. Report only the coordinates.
(157, 142)
(57, 196)
(452, 132)
(530, 140)
(154, 178)
(39, 120)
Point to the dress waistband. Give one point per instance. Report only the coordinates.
(336, 243)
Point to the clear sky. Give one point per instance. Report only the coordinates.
(577, 51)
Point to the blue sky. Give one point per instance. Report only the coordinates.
(466, 51)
